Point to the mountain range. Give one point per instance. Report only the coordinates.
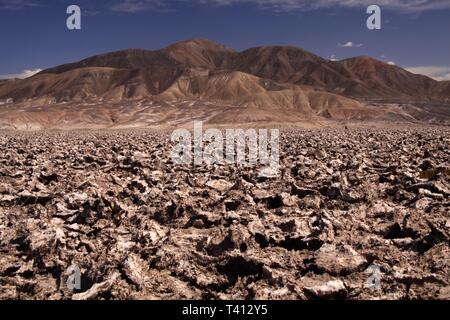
(263, 84)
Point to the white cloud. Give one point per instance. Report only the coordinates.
(350, 44)
(440, 73)
(132, 6)
(392, 63)
(16, 4)
(404, 6)
(333, 57)
(25, 74)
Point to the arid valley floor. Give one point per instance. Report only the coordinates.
(140, 227)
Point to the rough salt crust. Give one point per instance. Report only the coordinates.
(138, 227)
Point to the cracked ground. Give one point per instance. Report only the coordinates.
(139, 227)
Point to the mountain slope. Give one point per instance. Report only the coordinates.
(376, 79)
(243, 89)
(361, 77)
(91, 82)
(442, 90)
(200, 53)
(286, 64)
(125, 59)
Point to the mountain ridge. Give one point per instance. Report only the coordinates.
(262, 79)
(361, 77)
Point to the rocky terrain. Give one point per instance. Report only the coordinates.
(349, 206)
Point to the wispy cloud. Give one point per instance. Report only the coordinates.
(25, 74)
(404, 6)
(350, 44)
(440, 73)
(333, 57)
(131, 6)
(17, 4)
(399, 5)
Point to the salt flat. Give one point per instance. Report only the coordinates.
(113, 204)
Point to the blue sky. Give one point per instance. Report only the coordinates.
(415, 34)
